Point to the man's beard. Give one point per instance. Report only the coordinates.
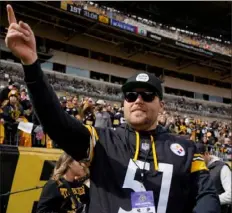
(143, 126)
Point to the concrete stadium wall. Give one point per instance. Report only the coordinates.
(197, 87)
(110, 49)
(124, 72)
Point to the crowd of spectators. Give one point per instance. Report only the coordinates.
(197, 121)
(84, 88)
(217, 135)
(189, 106)
(16, 110)
(112, 93)
(212, 44)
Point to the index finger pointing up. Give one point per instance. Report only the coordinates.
(11, 14)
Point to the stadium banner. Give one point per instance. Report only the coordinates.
(154, 36)
(74, 9)
(141, 31)
(123, 26)
(180, 44)
(25, 171)
(194, 48)
(90, 15)
(104, 19)
(70, 7)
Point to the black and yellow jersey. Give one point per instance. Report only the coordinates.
(56, 197)
(118, 119)
(125, 161)
(89, 119)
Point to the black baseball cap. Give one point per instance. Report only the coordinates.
(144, 80)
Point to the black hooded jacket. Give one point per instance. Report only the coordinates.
(180, 184)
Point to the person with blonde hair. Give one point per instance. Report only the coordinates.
(67, 190)
(88, 115)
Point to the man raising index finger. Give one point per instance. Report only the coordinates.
(20, 39)
(138, 166)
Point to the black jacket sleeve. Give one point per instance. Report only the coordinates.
(202, 187)
(65, 130)
(207, 201)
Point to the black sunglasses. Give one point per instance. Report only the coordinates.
(146, 96)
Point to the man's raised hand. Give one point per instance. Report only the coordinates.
(20, 39)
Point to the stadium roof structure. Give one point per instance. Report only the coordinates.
(211, 18)
(73, 24)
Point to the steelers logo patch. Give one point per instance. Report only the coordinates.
(177, 149)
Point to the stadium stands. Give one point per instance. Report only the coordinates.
(198, 120)
(213, 114)
(86, 87)
(111, 92)
(205, 42)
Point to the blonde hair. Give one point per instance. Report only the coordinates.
(62, 166)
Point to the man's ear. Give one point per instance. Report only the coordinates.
(161, 106)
